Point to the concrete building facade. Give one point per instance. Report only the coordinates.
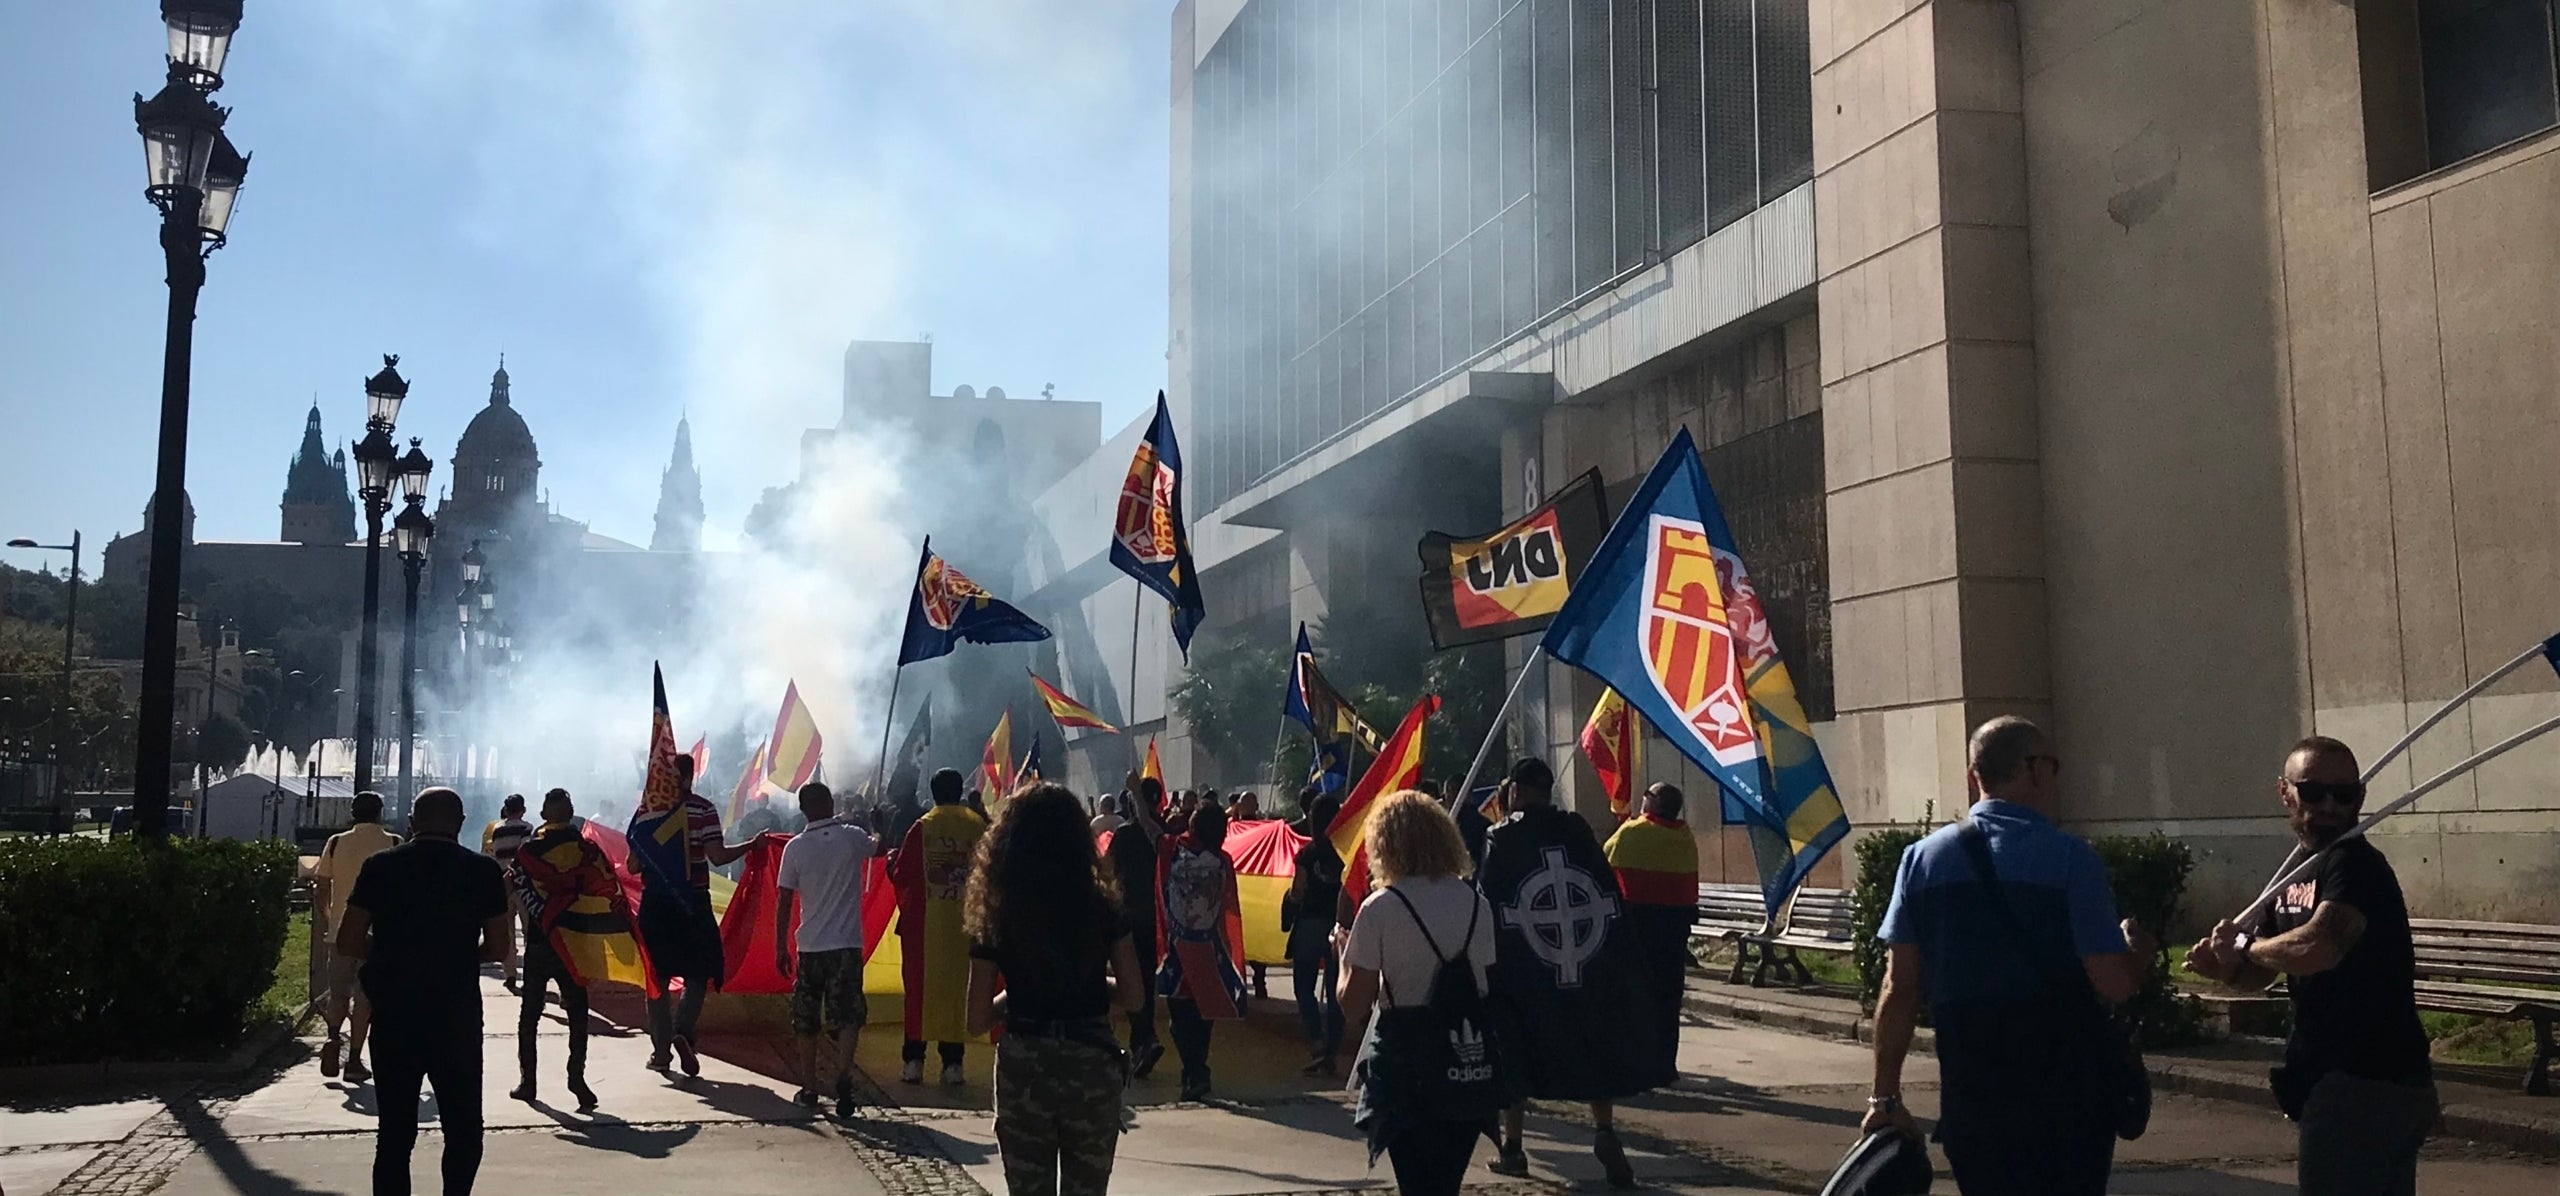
(2182, 373)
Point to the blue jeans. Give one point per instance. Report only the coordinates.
(1319, 1013)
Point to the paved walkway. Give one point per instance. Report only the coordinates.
(1758, 1110)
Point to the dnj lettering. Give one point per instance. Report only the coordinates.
(1524, 559)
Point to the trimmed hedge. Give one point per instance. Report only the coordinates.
(124, 949)
(2147, 872)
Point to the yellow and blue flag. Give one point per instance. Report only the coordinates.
(661, 848)
(1665, 614)
(946, 608)
(1149, 540)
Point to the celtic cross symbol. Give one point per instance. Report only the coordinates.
(1564, 914)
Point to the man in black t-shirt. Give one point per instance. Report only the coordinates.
(1133, 861)
(2355, 1076)
(423, 917)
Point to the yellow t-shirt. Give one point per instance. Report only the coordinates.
(344, 855)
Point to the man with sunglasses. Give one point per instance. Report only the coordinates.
(2355, 1076)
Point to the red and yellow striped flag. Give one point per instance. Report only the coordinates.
(749, 782)
(1398, 766)
(791, 755)
(1613, 742)
(995, 763)
(1154, 768)
(1067, 711)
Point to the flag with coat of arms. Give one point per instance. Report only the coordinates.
(1149, 539)
(946, 608)
(1665, 614)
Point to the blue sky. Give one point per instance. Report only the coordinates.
(651, 206)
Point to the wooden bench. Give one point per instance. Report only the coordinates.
(1817, 920)
(2484, 969)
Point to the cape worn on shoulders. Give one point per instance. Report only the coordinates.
(1569, 982)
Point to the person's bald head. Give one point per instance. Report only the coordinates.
(437, 814)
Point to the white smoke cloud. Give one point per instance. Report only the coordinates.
(747, 159)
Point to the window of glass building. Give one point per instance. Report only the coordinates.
(1382, 191)
(2446, 80)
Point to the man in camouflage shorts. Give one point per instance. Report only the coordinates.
(822, 871)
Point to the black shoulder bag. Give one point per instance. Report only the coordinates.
(2122, 1084)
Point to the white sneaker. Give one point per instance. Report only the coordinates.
(912, 1071)
(951, 1074)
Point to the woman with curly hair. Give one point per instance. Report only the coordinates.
(1043, 919)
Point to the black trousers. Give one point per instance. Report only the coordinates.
(541, 968)
(2049, 1152)
(1142, 1020)
(1190, 1039)
(912, 1051)
(1430, 1159)
(403, 1060)
(1312, 978)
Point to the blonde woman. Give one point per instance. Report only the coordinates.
(1422, 931)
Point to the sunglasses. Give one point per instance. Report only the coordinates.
(2346, 794)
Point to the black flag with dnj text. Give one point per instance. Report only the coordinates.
(1512, 580)
(1570, 985)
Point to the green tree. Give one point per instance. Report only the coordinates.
(222, 743)
(1230, 695)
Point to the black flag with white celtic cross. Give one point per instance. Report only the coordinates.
(1570, 986)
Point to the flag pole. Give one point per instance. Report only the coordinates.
(2540, 648)
(880, 768)
(1495, 732)
(2438, 781)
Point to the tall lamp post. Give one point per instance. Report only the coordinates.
(411, 532)
(466, 608)
(195, 181)
(70, 628)
(377, 460)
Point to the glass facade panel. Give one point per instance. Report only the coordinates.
(1383, 190)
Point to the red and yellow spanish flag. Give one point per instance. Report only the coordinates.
(791, 754)
(1067, 711)
(750, 781)
(1398, 766)
(995, 763)
(1154, 767)
(1614, 743)
(1656, 860)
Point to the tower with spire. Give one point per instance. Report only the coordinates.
(318, 507)
(679, 499)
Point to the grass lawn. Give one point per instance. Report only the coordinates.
(292, 989)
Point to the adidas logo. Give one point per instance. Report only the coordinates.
(1467, 1043)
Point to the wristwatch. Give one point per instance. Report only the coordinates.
(1885, 1104)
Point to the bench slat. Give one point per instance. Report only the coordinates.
(2519, 930)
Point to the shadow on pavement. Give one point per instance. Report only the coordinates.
(217, 1147)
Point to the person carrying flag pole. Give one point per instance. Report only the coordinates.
(675, 841)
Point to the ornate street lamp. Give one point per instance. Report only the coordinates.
(377, 464)
(411, 532)
(195, 179)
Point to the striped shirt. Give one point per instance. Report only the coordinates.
(501, 839)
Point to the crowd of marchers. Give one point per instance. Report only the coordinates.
(1484, 962)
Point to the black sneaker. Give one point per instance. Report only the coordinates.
(1510, 1160)
(357, 1072)
(586, 1096)
(685, 1058)
(523, 1091)
(844, 1090)
(659, 1059)
(1144, 1059)
(805, 1098)
(1613, 1159)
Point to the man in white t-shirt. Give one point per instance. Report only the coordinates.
(822, 872)
(341, 858)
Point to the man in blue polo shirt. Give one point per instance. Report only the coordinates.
(2012, 972)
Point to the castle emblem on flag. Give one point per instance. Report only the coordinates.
(944, 591)
(1144, 522)
(1690, 651)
